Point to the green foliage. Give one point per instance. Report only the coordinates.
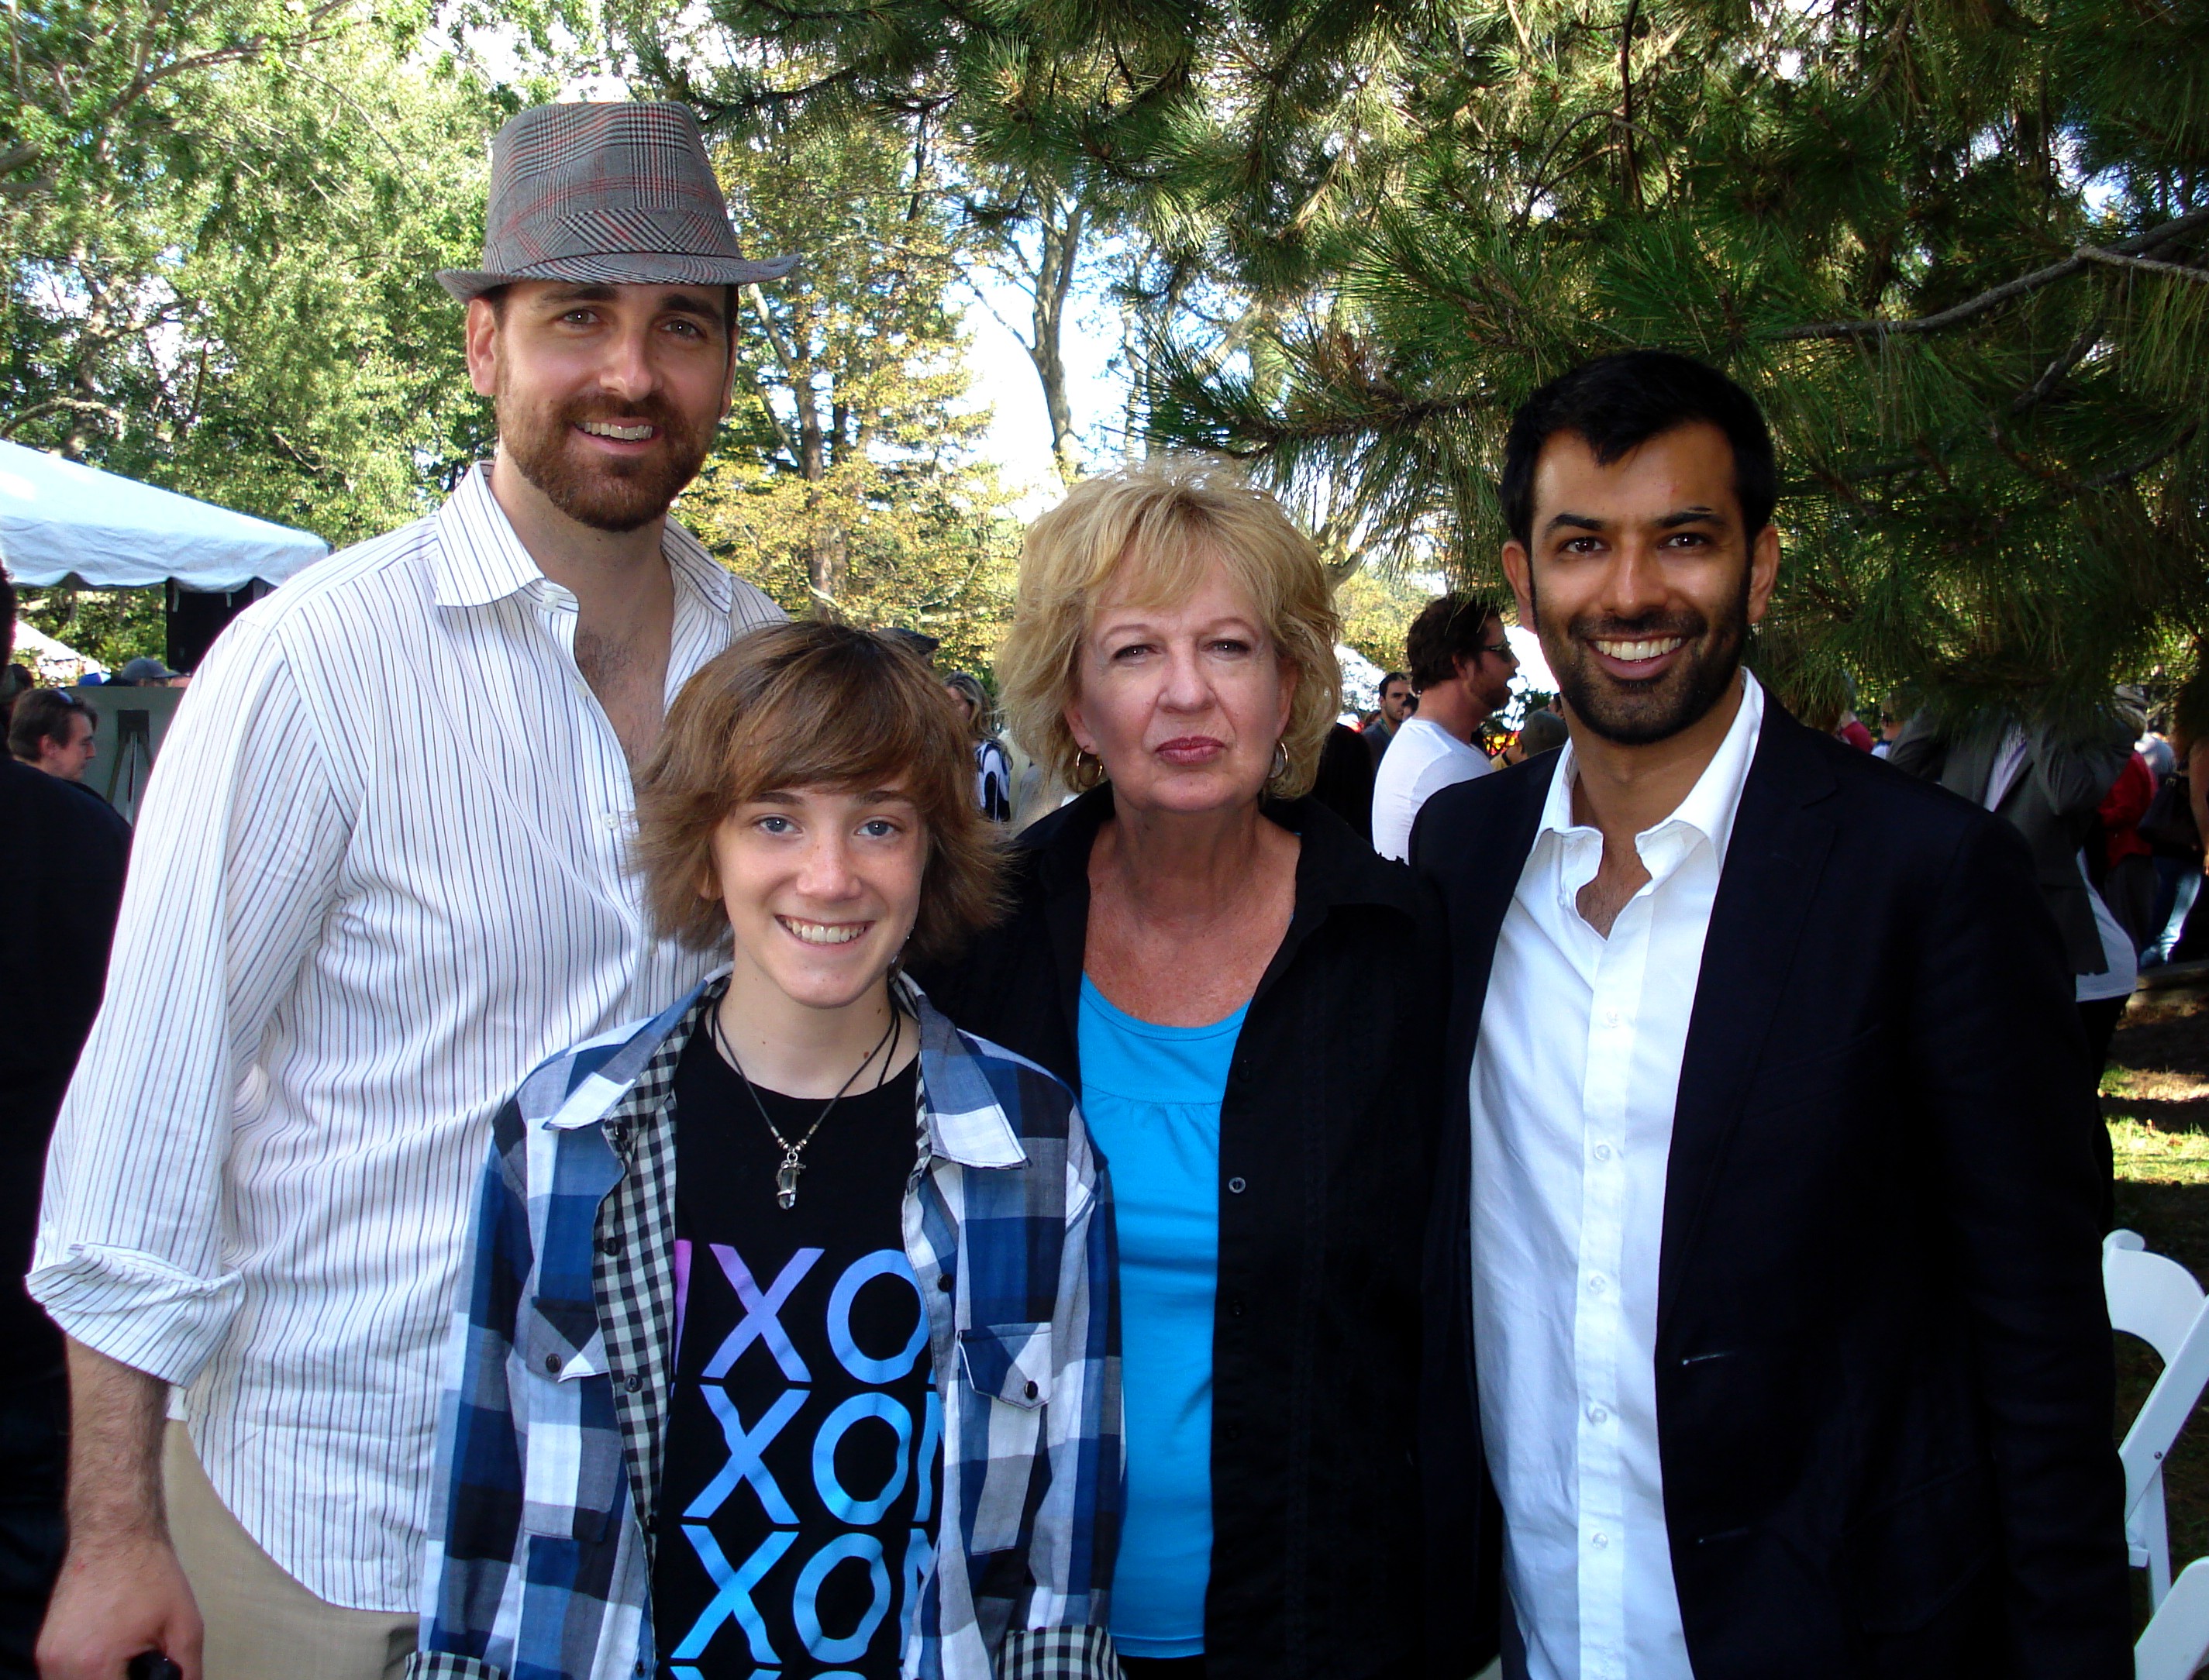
(1376, 610)
(847, 483)
(1367, 231)
(112, 626)
(219, 220)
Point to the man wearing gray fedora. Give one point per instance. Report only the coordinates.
(380, 875)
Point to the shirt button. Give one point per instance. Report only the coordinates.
(1611, 1017)
(945, 1283)
(1603, 1152)
(1235, 1308)
(1236, 1186)
(1596, 1414)
(1595, 1284)
(552, 1364)
(610, 1245)
(1233, 1431)
(632, 1383)
(1029, 1389)
(612, 819)
(1598, 1539)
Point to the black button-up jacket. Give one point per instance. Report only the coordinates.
(1327, 1150)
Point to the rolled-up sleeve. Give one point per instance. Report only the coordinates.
(240, 841)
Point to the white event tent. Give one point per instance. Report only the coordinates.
(61, 519)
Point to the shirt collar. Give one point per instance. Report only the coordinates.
(1711, 804)
(479, 559)
(965, 1122)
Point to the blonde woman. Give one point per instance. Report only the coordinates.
(1247, 1001)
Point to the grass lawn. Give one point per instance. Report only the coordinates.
(2156, 1098)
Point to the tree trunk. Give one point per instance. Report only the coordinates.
(827, 552)
(1060, 227)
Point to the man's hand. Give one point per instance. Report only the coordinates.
(110, 1605)
(122, 1591)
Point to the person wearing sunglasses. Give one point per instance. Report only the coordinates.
(1461, 667)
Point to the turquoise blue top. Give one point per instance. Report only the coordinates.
(1152, 1097)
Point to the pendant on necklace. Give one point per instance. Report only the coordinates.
(785, 1180)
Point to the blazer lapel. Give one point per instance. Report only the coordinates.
(1773, 862)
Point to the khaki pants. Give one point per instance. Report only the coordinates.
(261, 1623)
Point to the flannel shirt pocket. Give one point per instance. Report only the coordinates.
(1008, 1362)
(1009, 1368)
(572, 1459)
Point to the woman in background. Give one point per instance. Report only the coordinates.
(993, 768)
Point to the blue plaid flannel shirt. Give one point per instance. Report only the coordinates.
(553, 1423)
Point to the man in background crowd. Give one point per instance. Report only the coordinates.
(381, 871)
(2047, 781)
(1544, 731)
(1397, 703)
(61, 854)
(1892, 714)
(2128, 882)
(52, 730)
(143, 672)
(1461, 668)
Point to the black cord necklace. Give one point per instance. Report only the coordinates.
(785, 1176)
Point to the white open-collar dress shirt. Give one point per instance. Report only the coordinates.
(1573, 1085)
(380, 875)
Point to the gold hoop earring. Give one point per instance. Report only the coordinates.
(1079, 755)
(1281, 762)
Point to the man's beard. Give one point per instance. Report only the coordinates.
(1635, 714)
(606, 494)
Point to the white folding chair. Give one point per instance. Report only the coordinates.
(2157, 1300)
(2177, 1637)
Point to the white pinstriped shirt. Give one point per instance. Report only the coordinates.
(378, 877)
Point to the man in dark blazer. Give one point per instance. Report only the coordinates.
(1773, 1232)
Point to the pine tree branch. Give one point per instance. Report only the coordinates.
(2054, 374)
(2123, 253)
(2111, 480)
(2201, 276)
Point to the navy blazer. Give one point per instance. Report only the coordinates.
(1884, 1381)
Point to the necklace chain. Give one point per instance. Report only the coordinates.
(785, 1176)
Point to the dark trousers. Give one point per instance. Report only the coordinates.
(33, 1466)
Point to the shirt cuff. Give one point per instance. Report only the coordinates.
(1058, 1653)
(446, 1665)
(136, 1308)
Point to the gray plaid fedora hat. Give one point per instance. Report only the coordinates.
(607, 194)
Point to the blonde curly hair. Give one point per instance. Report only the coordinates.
(1167, 522)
